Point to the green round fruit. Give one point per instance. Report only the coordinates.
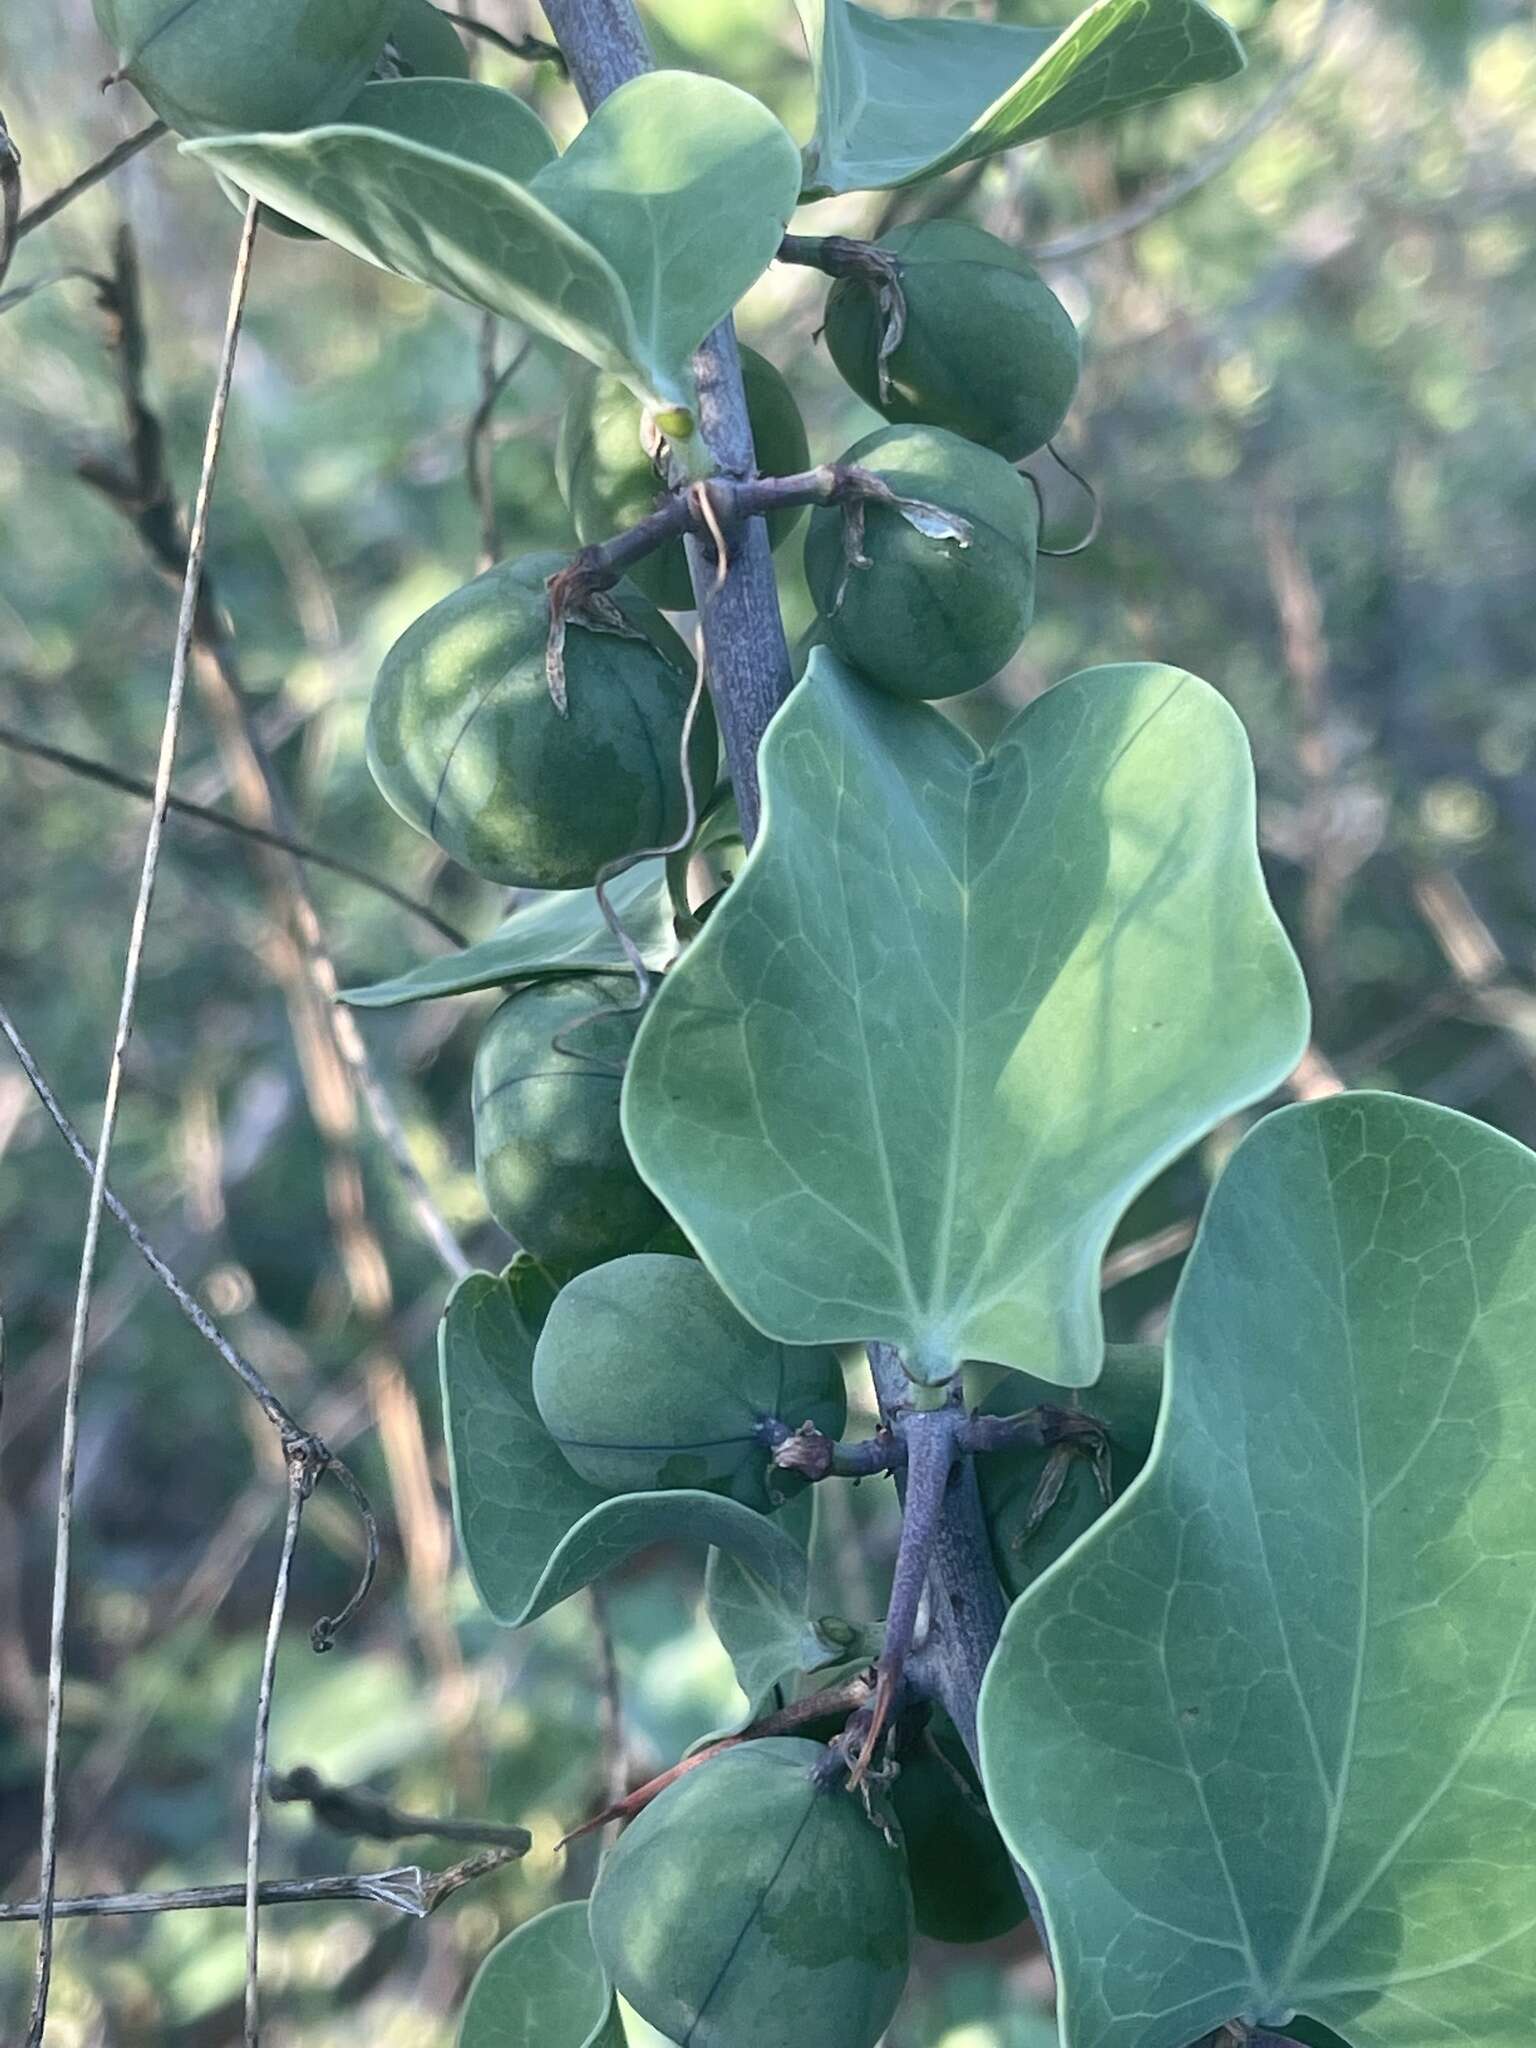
(425, 41)
(752, 1904)
(647, 1378)
(231, 67)
(929, 616)
(551, 1159)
(963, 1883)
(608, 481)
(467, 745)
(988, 349)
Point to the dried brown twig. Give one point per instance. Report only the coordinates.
(64, 1526)
(205, 814)
(408, 1889)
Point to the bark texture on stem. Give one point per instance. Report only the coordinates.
(749, 674)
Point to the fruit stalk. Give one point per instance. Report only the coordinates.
(733, 501)
(604, 44)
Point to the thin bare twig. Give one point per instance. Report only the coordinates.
(478, 449)
(355, 1810)
(104, 166)
(1226, 153)
(407, 1889)
(610, 1702)
(133, 785)
(196, 549)
(847, 1696)
(144, 495)
(10, 197)
(302, 1474)
(531, 49)
(1145, 1253)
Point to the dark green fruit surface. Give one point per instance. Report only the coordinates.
(608, 481)
(551, 1158)
(466, 744)
(988, 350)
(647, 1378)
(426, 41)
(749, 1908)
(236, 67)
(963, 1884)
(928, 616)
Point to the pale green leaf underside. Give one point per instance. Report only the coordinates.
(900, 100)
(533, 1532)
(958, 1007)
(1266, 1739)
(542, 1987)
(556, 932)
(628, 249)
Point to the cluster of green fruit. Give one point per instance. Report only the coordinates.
(934, 598)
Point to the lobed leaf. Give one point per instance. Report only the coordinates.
(902, 100)
(766, 1627)
(533, 1532)
(555, 933)
(1263, 1739)
(542, 1987)
(628, 249)
(907, 1078)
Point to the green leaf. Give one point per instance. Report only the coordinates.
(542, 1987)
(901, 100)
(1264, 1738)
(554, 933)
(765, 1626)
(958, 1008)
(1125, 1399)
(533, 1533)
(628, 249)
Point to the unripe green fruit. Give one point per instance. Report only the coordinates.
(608, 481)
(467, 745)
(929, 616)
(647, 1378)
(552, 1161)
(988, 350)
(963, 1883)
(232, 67)
(751, 1905)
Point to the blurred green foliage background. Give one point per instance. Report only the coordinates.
(1308, 408)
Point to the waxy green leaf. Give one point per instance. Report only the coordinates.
(1263, 1739)
(554, 933)
(533, 1532)
(901, 100)
(628, 249)
(542, 1987)
(958, 1008)
(766, 1627)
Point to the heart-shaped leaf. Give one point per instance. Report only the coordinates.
(628, 249)
(902, 100)
(1263, 1739)
(958, 1007)
(556, 932)
(542, 1987)
(766, 1627)
(533, 1532)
